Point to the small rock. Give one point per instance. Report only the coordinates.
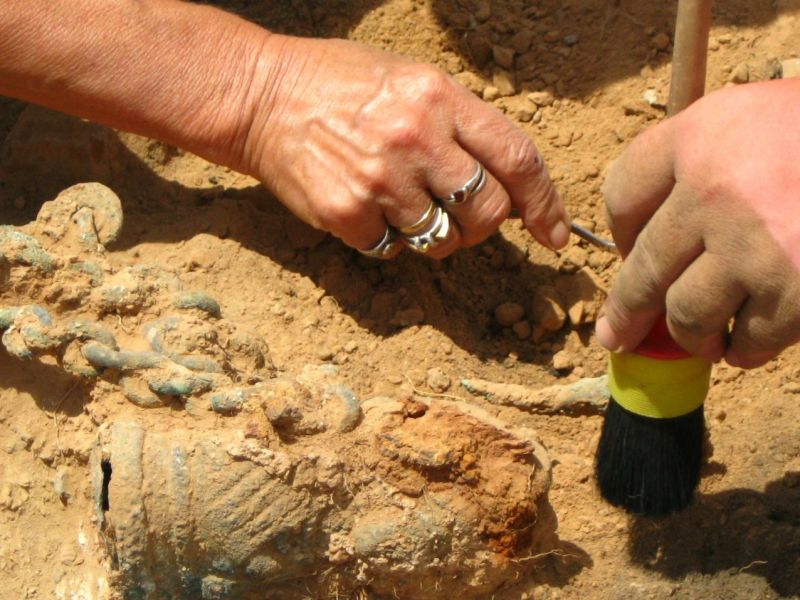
(793, 387)
(515, 256)
(521, 41)
(438, 380)
(490, 93)
(394, 379)
(562, 361)
(417, 377)
(522, 329)
(740, 73)
(522, 111)
(571, 39)
(508, 313)
(790, 68)
(483, 10)
(471, 81)
(573, 259)
(661, 41)
(552, 36)
(584, 293)
(62, 484)
(547, 309)
(600, 260)
(480, 49)
(504, 82)
(542, 98)
(503, 56)
(326, 353)
(652, 98)
(19, 202)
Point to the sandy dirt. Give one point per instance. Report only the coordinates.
(581, 78)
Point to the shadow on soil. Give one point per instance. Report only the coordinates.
(47, 152)
(739, 530)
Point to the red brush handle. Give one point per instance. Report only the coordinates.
(659, 343)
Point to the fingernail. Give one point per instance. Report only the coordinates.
(559, 235)
(606, 336)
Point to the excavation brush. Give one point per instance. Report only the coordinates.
(651, 446)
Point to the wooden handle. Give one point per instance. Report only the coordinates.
(689, 54)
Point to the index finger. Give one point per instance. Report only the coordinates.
(664, 249)
(515, 162)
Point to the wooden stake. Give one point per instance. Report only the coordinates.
(689, 54)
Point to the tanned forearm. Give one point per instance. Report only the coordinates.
(188, 74)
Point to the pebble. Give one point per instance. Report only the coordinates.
(480, 49)
(542, 97)
(504, 82)
(514, 256)
(661, 41)
(600, 260)
(508, 313)
(351, 346)
(573, 259)
(417, 377)
(740, 73)
(503, 56)
(522, 329)
(471, 81)
(19, 202)
(790, 68)
(62, 484)
(793, 387)
(483, 10)
(571, 39)
(584, 294)
(521, 41)
(394, 379)
(490, 93)
(438, 380)
(547, 309)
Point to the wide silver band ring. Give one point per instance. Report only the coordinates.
(387, 248)
(437, 231)
(473, 185)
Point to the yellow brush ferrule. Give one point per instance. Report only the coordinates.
(657, 388)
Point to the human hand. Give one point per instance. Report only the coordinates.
(705, 207)
(351, 139)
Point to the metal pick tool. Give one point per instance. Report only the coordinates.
(587, 235)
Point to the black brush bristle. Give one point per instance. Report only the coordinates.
(649, 466)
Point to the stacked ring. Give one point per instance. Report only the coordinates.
(436, 231)
(386, 248)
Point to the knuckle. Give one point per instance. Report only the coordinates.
(683, 316)
(373, 178)
(523, 159)
(405, 129)
(340, 215)
(430, 85)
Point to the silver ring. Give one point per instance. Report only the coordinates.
(423, 223)
(386, 248)
(473, 185)
(437, 231)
